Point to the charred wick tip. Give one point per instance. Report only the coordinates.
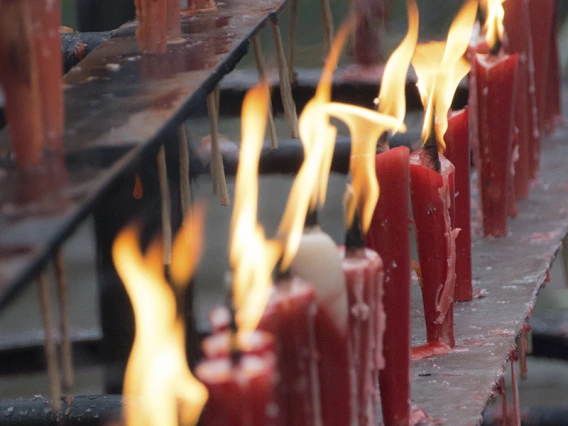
(494, 51)
(311, 219)
(431, 149)
(354, 235)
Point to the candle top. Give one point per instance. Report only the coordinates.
(223, 370)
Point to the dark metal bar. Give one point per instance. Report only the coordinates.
(75, 410)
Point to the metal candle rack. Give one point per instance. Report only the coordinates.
(121, 107)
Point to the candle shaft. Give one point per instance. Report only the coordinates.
(553, 111)
(517, 27)
(432, 195)
(151, 32)
(364, 272)
(289, 316)
(371, 16)
(458, 153)
(540, 13)
(173, 21)
(495, 90)
(389, 236)
(19, 77)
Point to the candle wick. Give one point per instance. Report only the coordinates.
(383, 143)
(311, 219)
(430, 147)
(354, 235)
(496, 48)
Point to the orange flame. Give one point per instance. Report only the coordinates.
(252, 257)
(318, 137)
(162, 389)
(494, 16)
(440, 66)
(366, 126)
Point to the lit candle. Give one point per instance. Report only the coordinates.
(541, 21)
(46, 19)
(152, 26)
(439, 67)
(290, 316)
(495, 75)
(458, 153)
(256, 343)
(241, 393)
(19, 78)
(517, 28)
(363, 269)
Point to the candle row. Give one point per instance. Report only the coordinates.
(30, 73)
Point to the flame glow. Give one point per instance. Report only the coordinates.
(440, 66)
(252, 257)
(494, 16)
(161, 388)
(318, 137)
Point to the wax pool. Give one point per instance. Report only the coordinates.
(432, 195)
(389, 236)
(47, 52)
(290, 318)
(458, 153)
(19, 78)
(364, 273)
(241, 393)
(318, 262)
(495, 84)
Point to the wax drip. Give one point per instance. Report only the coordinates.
(430, 148)
(514, 356)
(524, 346)
(502, 389)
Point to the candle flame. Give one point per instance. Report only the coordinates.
(158, 382)
(494, 28)
(440, 66)
(367, 126)
(252, 256)
(318, 138)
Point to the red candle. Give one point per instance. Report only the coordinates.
(173, 20)
(517, 27)
(19, 77)
(289, 317)
(151, 32)
(220, 319)
(257, 343)
(364, 272)
(540, 14)
(553, 110)
(367, 38)
(512, 208)
(432, 194)
(389, 235)
(241, 393)
(459, 154)
(495, 89)
(318, 262)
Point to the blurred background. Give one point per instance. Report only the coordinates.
(20, 324)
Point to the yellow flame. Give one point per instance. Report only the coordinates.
(440, 66)
(318, 138)
(367, 126)
(161, 388)
(189, 239)
(252, 256)
(494, 16)
(392, 97)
